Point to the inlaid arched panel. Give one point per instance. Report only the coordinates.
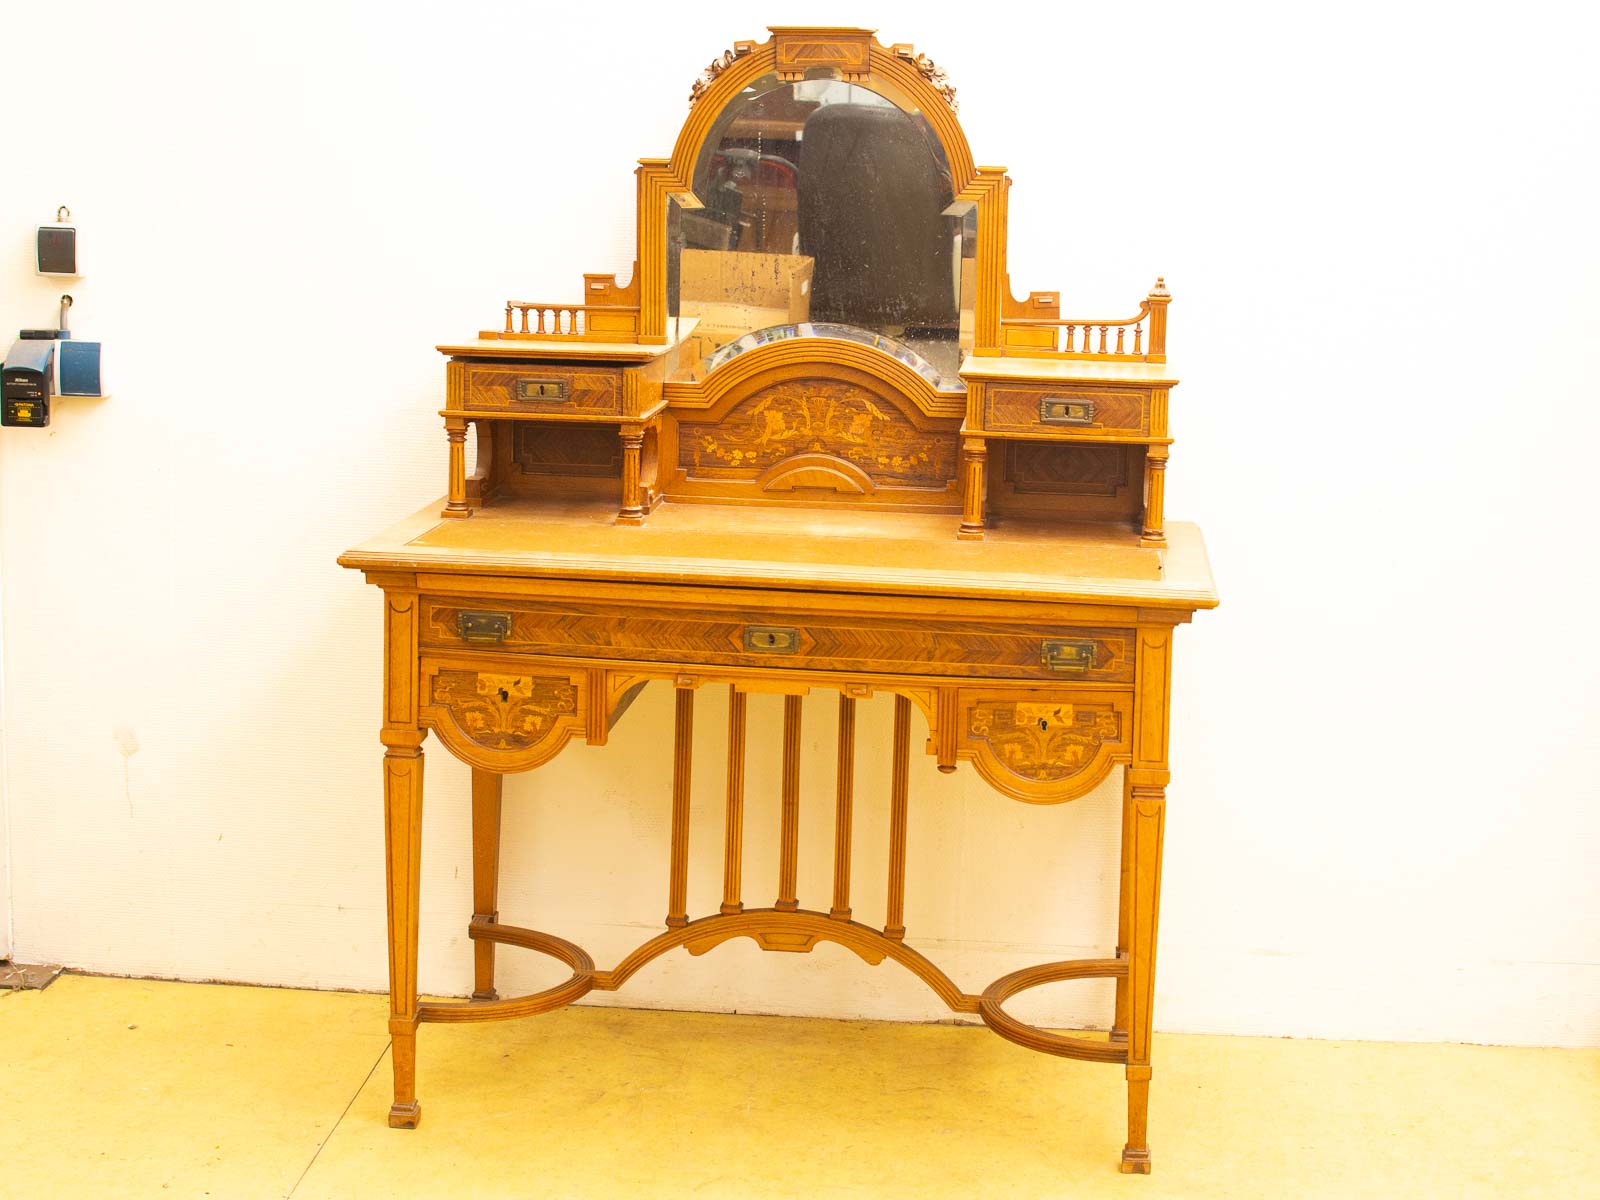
(788, 432)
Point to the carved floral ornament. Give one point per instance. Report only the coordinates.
(718, 65)
(932, 72)
(926, 67)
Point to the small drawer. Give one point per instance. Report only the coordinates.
(1067, 410)
(502, 713)
(1044, 745)
(538, 388)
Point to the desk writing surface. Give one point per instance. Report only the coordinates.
(839, 550)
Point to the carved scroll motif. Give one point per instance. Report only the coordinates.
(719, 64)
(818, 416)
(504, 712)
(1042, 741)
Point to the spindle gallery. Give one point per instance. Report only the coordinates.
(813, 444)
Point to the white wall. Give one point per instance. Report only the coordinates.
(1377, 226)
(5, 808)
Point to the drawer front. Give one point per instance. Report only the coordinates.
(1045, 745)
(501, 713)
(810, 642)
(537, 388)
(1068, 411)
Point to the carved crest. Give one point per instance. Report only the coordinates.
(932, 72)
(718, 65)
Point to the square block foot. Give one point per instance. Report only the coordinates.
(405, 1116)
(491, 994)
(1134, 1162)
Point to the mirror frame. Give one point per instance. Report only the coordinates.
(853, 55)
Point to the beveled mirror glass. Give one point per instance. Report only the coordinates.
(819, 204)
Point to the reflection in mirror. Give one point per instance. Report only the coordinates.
(822, 201)
(823, 329)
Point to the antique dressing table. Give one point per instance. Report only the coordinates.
(813, 443)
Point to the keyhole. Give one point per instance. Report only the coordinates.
(1044, 725)
(505, 695)
(772, 639)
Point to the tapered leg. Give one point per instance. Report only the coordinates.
(402, 810)
(485, 875)
(1119, 1022)
(1147, 820)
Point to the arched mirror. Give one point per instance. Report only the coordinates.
(820, 204)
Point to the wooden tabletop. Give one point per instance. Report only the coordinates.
(1066, 370)
(839, 550)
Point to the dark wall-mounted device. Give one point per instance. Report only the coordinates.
(26, 383)
(58, 247)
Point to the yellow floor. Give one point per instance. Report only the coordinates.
(132, 1088)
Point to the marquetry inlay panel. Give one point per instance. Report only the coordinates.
(1044, 740)
(804, 418)
(927, 647)
(544, 388)
(1046, 746)
(1016, 410)
(845, 50)
(504, 711)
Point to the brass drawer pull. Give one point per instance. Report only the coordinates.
(483, 626)
(540, 389)
(1058, 410)
(771, 639)
(1067, 654)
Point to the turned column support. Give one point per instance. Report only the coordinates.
(456, 431)
(974, 460)
(633, 508)
(1155, 497)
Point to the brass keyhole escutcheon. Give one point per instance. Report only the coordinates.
(505, 695)
(771, 639)
(1044, 725)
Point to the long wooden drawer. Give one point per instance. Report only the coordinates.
(1037, 409)
(541, 388)
(807, 642)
